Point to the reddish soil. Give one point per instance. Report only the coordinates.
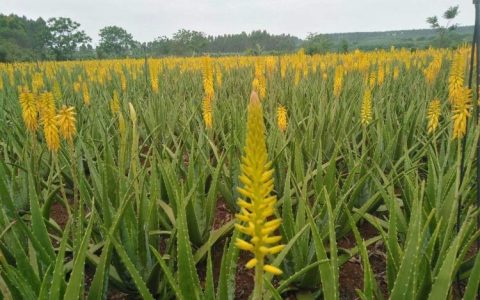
(59, 214)
(351, 273)
(350, 276)
(222, 214)
(243, 276)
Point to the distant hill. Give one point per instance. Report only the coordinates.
(415, 38)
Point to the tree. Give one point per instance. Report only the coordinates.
(450, 14)
(317, 43)
(343, 47)
(115, 42)
(65, 37)
(189, 42)
(160, 46)
(22, 38)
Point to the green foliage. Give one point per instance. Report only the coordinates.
(157, 190)
(65, 37)
(115, 42)
(443, 31)
(22, 38)
(317, 44)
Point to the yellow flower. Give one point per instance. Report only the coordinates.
(433, 115)
(456, 78)
(432, 70)
(49, 120)
(380, 75)
(46, 105)
(366, 110)
(66, 122)
(29, 110)
(338, 81)
(50, 130)
(282, 120)
(115, 103)
(257, 214)
(461, 112)
(283, 67)
(209, 92)
(86, 94)
(57, 91)
(259, 84)
(154, 83)
(207, 113)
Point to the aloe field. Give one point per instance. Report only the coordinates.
(335, 176)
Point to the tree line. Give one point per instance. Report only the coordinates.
(23, 39)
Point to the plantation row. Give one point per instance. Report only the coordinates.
(169, 178)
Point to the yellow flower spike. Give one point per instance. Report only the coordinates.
(85, 94)
(29, 110)
(433, 115)
(49, 121)
(209, 93)
(432, 70)
(257, 203)
(115, 103)
(282, 120)
(338, 81)
(259, 83)
(461, 111)
(207, 113)
(67, 122)
(366, 111)
(50, 130)
(456, 78)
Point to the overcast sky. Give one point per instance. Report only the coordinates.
(147, 19)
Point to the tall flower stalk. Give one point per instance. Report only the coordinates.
(209, 93)
(366, 109)
(433, 116)
(282, 119)
(257, 217)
